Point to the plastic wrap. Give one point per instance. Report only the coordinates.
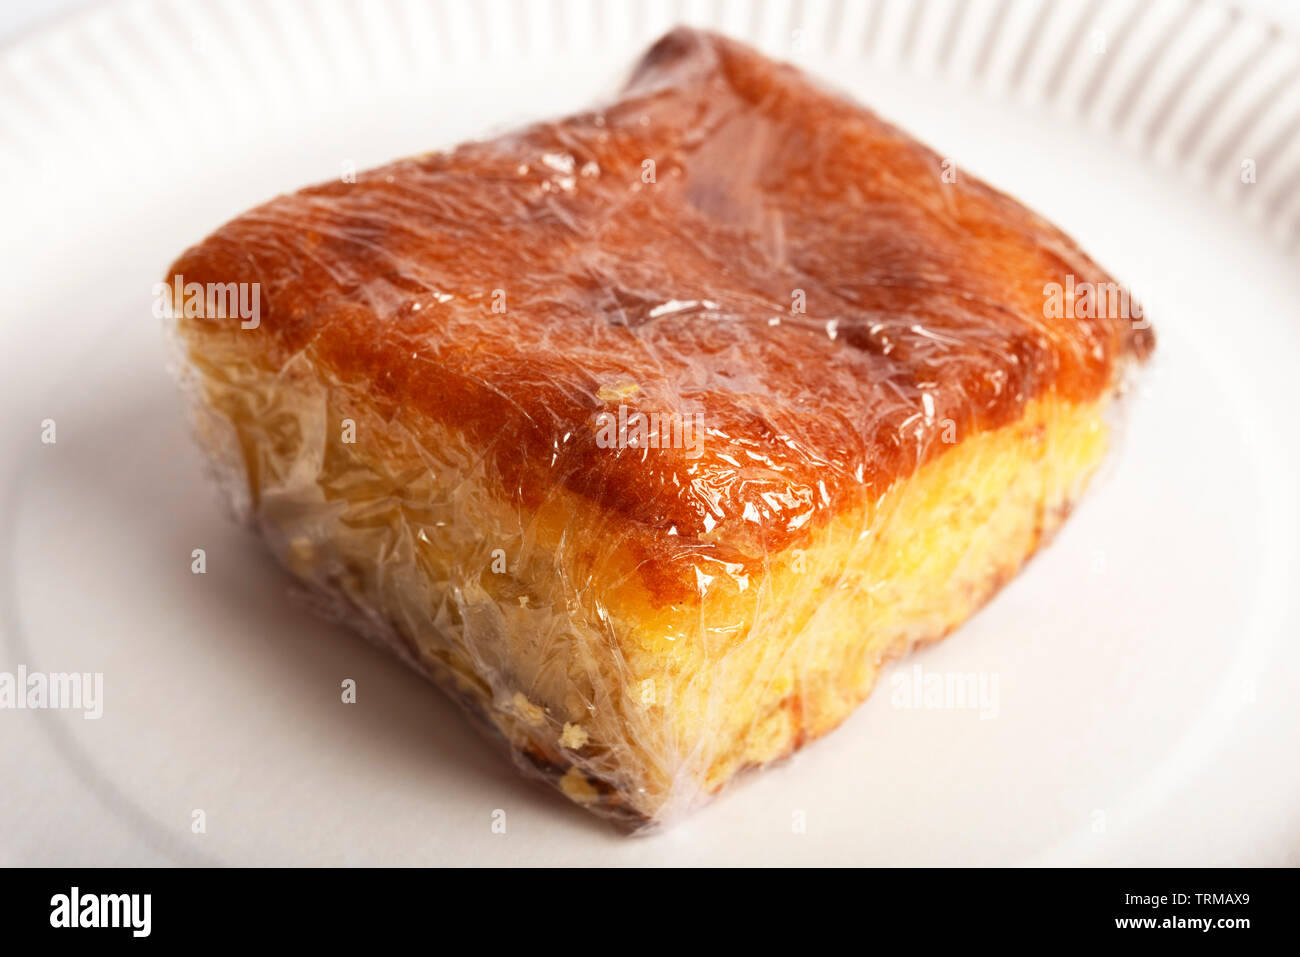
(650, 434)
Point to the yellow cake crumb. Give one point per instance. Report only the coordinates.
(527, 711)
(577, 788)
(573, 737)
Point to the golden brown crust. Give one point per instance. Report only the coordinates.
(924, 302)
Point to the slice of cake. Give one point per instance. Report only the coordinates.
(652, 433)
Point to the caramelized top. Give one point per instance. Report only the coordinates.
(726, 239)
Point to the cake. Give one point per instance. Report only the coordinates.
(652, 433)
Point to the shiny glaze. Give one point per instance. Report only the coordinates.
(924, 301)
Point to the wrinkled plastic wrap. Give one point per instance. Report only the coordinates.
(652, 433)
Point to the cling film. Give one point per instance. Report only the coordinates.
(652, 433)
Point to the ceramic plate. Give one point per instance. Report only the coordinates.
(1147, 666)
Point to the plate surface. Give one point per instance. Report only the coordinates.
(1146, 665)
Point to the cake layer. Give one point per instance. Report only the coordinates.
(538, 620)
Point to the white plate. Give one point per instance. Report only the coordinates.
(1147, 662)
